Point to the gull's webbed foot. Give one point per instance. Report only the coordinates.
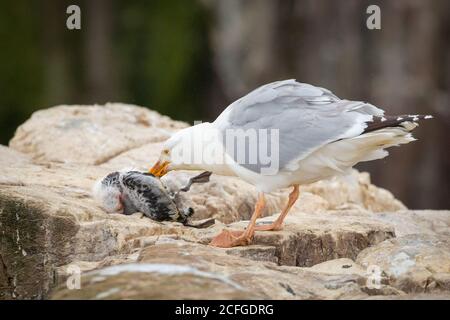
(228, 239)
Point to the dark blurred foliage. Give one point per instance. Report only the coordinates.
(189, 59)
(21, 67)
(151, 53)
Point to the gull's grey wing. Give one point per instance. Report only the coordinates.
(306, 118)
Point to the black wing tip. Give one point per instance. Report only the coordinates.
(414, 117)
(380, 122)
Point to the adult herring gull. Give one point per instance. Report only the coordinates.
(311, 135)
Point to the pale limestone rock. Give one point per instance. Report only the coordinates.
(413, 263)
(90, 134)
(417, 221)
(309, 239)
(414, 296)
(51, 216)
(348, 266)
(255, 252)
(10, 157)
(48, 219)
(354, 191)
(140, 158)
(179, 270)
(339, 266)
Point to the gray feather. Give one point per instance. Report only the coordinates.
(306, 117)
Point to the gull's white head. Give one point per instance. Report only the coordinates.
(184, 150)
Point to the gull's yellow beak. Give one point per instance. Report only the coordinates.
(160, 168)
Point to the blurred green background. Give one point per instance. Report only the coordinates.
(190, 59)
(151, 53)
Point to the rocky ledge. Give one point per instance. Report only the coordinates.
(345, 239)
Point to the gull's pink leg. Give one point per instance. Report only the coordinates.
(228, 239)
(278, 223)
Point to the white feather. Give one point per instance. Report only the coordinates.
(338, 157)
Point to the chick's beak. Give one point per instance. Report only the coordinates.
(160, 168)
